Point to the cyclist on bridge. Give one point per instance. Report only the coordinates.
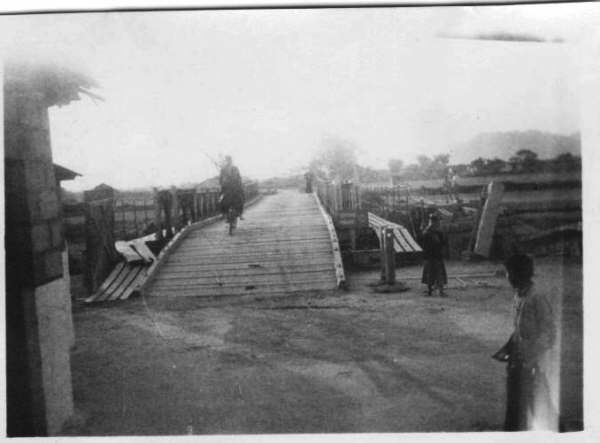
(232, 190)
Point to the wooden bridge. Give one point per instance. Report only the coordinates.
(285, 244)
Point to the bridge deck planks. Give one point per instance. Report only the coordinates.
(282, 246)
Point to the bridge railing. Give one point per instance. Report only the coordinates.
(177, 208)
(92, 227)
(384, 199)
(337, 197)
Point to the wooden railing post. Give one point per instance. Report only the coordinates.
(100, 253)
(212, 203)
(217, 206)
(158, 214)
(202, 204)
(135, 221)
(388, 256)
(193, 207)
(196, 206)
(175, 216)
(381, 235)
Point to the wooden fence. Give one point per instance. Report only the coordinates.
(92, 227)
(167, 211)
(337, 197)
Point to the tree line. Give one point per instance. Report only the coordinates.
(524, 161)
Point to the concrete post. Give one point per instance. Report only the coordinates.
(487, 222)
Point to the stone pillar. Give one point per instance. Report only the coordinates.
(38, 326)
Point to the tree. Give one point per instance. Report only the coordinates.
(566, 162)
(525, 160)
(424, 162)
(370, 175)
(442, 160)
(478, 166)
(395, 166)
(439, 165)
(335, 160)
(495, 166)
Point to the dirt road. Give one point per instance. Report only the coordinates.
(348, 362)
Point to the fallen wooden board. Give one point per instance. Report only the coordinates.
(403, 241)
(129, 254)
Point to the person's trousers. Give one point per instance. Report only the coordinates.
(528, 395)
(518, 392)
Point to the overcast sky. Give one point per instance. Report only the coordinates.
(269, 86)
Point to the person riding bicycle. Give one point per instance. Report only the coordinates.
(232, 190)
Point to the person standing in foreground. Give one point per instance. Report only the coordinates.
(528, 403)
(434, 243)
(232, 190)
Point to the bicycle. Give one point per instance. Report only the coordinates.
(232, 217)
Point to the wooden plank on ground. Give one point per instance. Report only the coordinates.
(131, 276)
(107, 282)
(129, 254)
(115, 283)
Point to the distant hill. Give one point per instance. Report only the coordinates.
(505, 144)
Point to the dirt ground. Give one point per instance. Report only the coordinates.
(352, 361)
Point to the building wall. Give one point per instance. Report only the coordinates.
(39, 329)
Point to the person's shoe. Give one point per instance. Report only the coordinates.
(443, 294)
(241, 218)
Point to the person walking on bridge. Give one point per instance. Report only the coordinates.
(309, 176)
(232, 189)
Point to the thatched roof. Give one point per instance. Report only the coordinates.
(61, 173)
(55, 85)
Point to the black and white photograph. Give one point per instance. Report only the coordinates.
(282, 219)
